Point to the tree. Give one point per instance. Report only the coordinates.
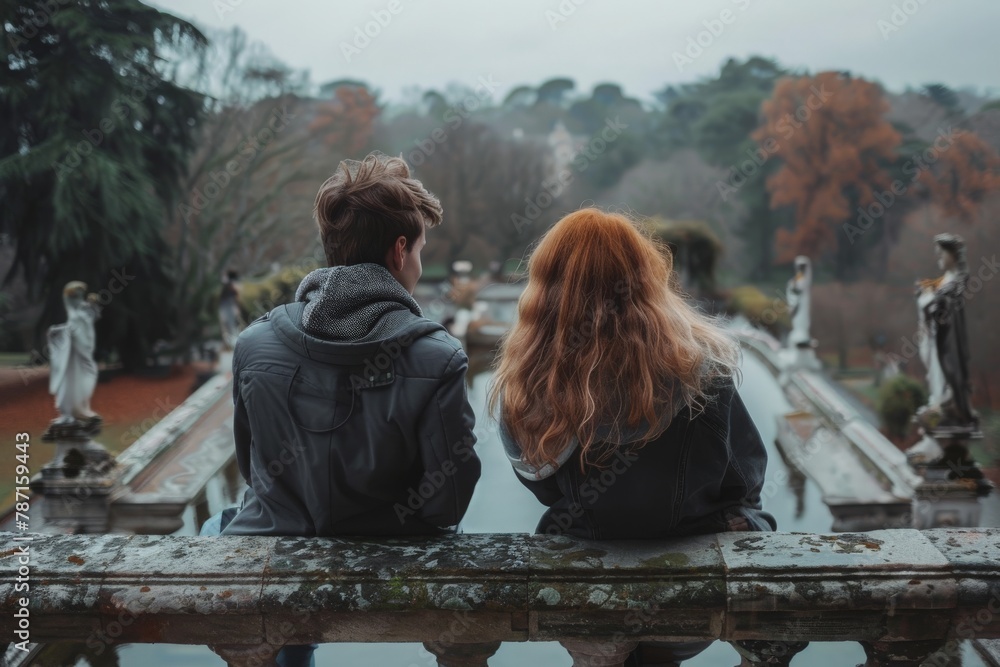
(717, 117)
(696, 250)
(263, 151)
(590, 117)
(554, 91)
(460, 173)
(92, 150)
(835, 144)
(962, 176)
(521, 171)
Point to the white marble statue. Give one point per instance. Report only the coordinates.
(944, 345)
(797, 294)
(73, 372)
(928, 347)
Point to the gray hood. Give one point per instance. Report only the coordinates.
(348, 314)
(358, 303)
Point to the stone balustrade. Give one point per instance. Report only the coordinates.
(901, 593)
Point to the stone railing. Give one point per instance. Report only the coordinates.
(865, 480)
(902, 593)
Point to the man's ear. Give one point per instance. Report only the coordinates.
(394, 256)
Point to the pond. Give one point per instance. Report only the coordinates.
(501, 504)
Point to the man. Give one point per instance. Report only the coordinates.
(351, 411)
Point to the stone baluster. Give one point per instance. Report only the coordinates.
(900, 654)
(462, 655)
(261, 655)
(767, 652)
(599, 654)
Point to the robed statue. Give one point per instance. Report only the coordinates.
(944, 341)
(73, 372)
(797, 293)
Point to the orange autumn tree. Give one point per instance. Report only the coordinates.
(963, 175)
(835, 144)
(346, 122)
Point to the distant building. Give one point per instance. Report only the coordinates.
(564, 146)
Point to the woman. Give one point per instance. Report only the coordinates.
(616, 399)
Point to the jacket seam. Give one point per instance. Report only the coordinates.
(444, 433)
(444, 437)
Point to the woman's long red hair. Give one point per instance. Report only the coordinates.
(601, 339)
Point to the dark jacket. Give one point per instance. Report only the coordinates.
(703, 474)
(371, 435)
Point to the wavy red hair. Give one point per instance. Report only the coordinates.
(602, 338)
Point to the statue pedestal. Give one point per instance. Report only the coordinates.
(797, 358)
(952, 482)
(77, 484)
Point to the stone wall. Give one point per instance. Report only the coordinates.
(891, 590)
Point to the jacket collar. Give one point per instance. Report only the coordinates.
(286, 321)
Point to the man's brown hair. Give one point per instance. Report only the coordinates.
(365, 206)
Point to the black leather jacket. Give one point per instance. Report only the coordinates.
(338, 438)
(702, 475)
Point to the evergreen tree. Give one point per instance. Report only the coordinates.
(94, 142)
(717, 118)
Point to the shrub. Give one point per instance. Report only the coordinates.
(987, 450)
(259, 297)
(761, 311)
(695, 247)
(898, 400)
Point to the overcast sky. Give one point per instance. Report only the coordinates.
(641, 44)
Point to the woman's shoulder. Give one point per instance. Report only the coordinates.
(720, 390)
(715, 404)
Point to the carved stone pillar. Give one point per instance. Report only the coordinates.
(899, 654)
(78, 483)
(767, 652)
(462, 655)
(599, 654)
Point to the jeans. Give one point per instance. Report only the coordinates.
(290, 656)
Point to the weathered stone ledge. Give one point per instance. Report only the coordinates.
(883, 586)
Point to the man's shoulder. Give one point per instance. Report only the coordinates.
(255, 329)
(257, 338)
(434, 354)
(440, 341)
